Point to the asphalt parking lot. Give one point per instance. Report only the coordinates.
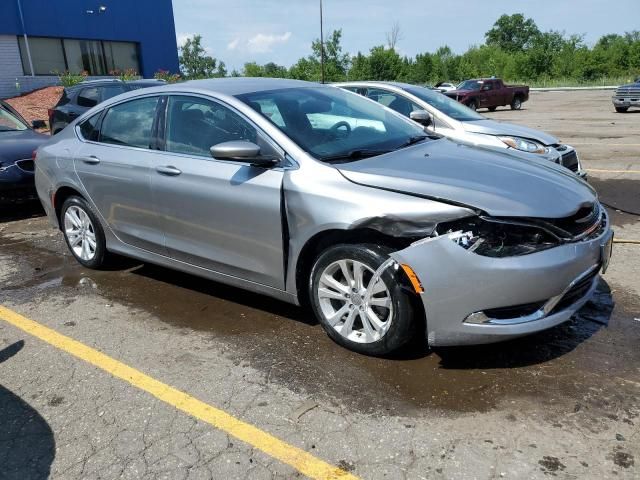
(120, 401)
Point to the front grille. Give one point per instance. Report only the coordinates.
(582, 222)
(26, 165)
(628, 92)
(577, 292)
(570, 160)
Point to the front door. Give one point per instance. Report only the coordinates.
(222, 215)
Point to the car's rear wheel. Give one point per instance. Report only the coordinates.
(516, 103)
(360, 311)
(622, 109)
(83, 233)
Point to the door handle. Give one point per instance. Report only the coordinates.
(91, 160)
(168, 170)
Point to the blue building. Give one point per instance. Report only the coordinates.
(39, 37)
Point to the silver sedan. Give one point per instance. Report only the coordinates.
(460, 123)
(320, 197)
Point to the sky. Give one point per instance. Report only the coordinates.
(281, 31)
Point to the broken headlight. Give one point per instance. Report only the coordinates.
(492, 238)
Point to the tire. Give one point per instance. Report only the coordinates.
(622, 109)
(492, 109)
(516, 103)
(83, 233)
(473, 105)
(396, 322)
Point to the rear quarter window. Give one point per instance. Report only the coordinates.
(90, 128)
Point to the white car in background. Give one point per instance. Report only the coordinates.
(458, 122)
(444, 87)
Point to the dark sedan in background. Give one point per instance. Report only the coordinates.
(79, 98)
(18, 140)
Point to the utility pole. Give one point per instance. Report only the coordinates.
(321, 46)
(26, 40)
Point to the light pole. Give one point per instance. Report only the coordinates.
(321, 46)
(26, 40)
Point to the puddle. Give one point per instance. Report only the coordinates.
(290, 348)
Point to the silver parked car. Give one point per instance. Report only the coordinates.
(459, 122)
(315, 195)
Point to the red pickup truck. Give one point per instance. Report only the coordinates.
(489, 93)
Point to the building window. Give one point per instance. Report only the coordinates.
(47, 55)
(96, 57)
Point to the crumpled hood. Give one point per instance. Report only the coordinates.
(19, 145)
(495, 182)
(492, 127)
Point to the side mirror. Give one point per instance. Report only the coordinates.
(422, 117)
(243, 151)
(37, 124)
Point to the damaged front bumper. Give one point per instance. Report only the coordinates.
(473, 299)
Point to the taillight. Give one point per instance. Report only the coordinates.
(34, 154)
(50, 112)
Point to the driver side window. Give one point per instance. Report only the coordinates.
(195, 124)
(393, 101)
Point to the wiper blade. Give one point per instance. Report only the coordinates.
(355, 155)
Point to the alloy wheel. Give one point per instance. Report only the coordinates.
(354, 302)
(80, 233)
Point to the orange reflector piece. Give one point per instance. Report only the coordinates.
(413, 278)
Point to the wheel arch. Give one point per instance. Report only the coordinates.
(60, 196)
(323, 240)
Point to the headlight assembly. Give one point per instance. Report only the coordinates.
(524, 145)
(496, 239)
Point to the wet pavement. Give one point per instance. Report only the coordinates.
(565, 402)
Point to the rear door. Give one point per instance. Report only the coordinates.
(114, 164)
(222, 215)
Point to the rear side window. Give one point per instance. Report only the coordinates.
(90, 129)
(89, 97)
(130, 124)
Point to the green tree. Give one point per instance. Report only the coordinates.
(195, 64)
(384, 64)
(336, 63)
(512, 33)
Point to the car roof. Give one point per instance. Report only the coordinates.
(403, 86)
(145, 81)
(241, 85)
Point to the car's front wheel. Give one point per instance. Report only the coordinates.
(83, 233)
(358, 310)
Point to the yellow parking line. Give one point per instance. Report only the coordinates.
(297, 458)
(599, 170)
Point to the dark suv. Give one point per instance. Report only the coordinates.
(78, 99)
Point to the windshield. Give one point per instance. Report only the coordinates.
(444, 104)
(9, 122)
(333, 124)
(470, 85)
